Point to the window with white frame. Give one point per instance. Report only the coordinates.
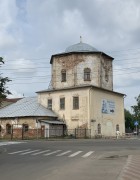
(62, 103)
(76, 102)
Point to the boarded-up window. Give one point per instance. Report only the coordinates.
(75, 102)
(99, 128)
(62, 103)
(63, 75)
(50, 104)
(117, 127)
(87, 74)
(8, 129)
(25, 127)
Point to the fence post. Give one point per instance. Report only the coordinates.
(22, 133)
(85, 133)
(12, 132)
(90, 133)
(75, 133)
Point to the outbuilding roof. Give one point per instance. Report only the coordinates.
(24, 108)
(52, 122)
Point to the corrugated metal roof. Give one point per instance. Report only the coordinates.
(26, 107)
(52, 122)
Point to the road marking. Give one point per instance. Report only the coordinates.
(16, 152)
(9, 143)
(88, 154)
(49, 152)
(40, 152)
(75, 154)
(52, 152)
(29, 152)
(63, 153)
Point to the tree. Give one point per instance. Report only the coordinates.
(129, 120)
(3, 80)
(136, 110)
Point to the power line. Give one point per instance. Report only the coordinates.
(46, 58)
(59, 81)
(56, 66)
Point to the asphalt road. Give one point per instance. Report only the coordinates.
(66, 160)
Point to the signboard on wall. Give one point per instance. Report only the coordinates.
(108, 107)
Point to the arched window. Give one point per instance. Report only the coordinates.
(25, 127)
(117, 127)
(8, 129)
(87, 72)
(99, 128)
(63, 75)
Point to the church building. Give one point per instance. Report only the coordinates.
(81, 91)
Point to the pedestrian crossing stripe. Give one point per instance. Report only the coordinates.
(9, 143)
(29, 152)
(41, 152)
(64, 153)
(75, 154)
(19, 151)
(48, 152)
(88, 154)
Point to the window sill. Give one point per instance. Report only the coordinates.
(87, 79)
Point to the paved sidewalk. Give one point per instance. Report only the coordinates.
(131, 171)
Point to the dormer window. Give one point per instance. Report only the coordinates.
(87, 72)
(63, 75)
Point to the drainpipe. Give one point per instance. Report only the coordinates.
(89, 113)
(100, 73)
(37, 127)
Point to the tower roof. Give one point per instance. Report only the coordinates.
(80, 47)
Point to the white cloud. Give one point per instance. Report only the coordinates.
(15, 94)
(7, 17)
(23, 66)
(6, 40)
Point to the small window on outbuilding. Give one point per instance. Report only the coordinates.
(76, 102)
(87, 74)
(117, 127)
(8, 129)
(62, 103)
(63, 75)
(50, 104)
(99, 128)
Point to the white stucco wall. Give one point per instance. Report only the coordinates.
(73, 118)
(90, 109)
(108, 121)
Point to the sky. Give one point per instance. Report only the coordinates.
(32, 30)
